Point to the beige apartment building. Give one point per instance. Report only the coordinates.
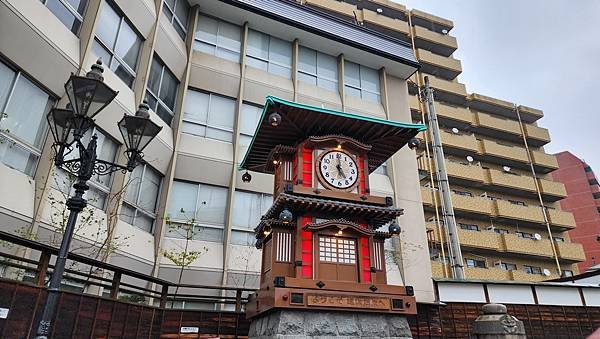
(205, 68)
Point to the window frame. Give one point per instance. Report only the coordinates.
(468, 227)
(474, 263)
(14, 140)
(216, 45)
(78, 16)
(175, 19)
(316, 73)
(532, 269)
(156, 97)
(251, 136)
(137, 209)
(207, 125)
(361, 89)
(268, 60)
(111, 51)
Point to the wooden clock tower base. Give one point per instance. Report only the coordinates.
(291, 323)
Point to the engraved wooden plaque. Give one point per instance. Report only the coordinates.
(348, 301)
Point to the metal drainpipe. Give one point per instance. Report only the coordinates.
(429, 160)
(538, 191)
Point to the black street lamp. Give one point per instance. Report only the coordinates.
(88, 95)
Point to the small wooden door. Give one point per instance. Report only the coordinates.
(337, 258)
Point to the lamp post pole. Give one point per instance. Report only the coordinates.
(88, 95)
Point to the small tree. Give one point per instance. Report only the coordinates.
(182, 256)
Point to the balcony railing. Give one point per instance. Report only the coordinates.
(476, 205)
(562, 219)
(460, 141)
(491, 105)
(570, 251)
(371, 17)
(488, 273)
(552, 188)
(499, 124)
(503, 179)
(537, 136)
(505, 209)
(446, 44)
(449, 91)
(445, 67)
(495, 149)
(338, 7)
(523, 276)
(455, 113)
(546, 161)
(465, 172)
(529, 114)
(515, 244)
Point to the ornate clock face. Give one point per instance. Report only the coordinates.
(338, 169)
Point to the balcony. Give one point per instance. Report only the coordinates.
(507, 210)
(561, 219)
(509, 182)
(454, 116)
(529, 114)
(504, 154)
(386, 24)
(466, 144)
(490, 273)
(492, 105)
(440, 66)
(539, 248)
(437, 269)
(465, 173)
(426, 196)
(569, 251)
(522, 276)
(448, 91)
(495, 126)
(477, 205)
(480, 239)
(442, 44)
(543, 162)
(414, 104)
(340, 9)
(430, 21)
(536, 136)
(552, 190)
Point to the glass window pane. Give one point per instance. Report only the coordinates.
(7, 77)
(183, 196)
(149, 190)
(241, 208)
(352, 91)
(144, 222)
(369, 79)
(249, 119)
(64, 15)
(351, 74)
(371, 96)
(182, 9)
(196, 106)
(108, 25)
(204, 47)
(128, 46)
(307, 60)
(229, 36)
(101, 52)
(257, 63)
(164, 113)
(258, 45)
(280, 51)
(155, 74)
(17, 157)
(218, 134)
(327, 84)
(133, 185)
(222, 112)
(283, 71)
(244, 140)
(242, 238)
(228, 55)
(309, 79)
(208, 234)
(168, 89)
(327, 66)
(171, 3)
(207, 29)
(195, 129)
(122, 72)
(211, 205)
(79, 5)
(127, 214)
(95, 197)
(25, 112)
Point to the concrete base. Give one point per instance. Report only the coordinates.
(296, 324)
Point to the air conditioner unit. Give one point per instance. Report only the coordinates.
(537, 236)
(546, 272)
(498, 263)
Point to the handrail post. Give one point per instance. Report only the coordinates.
(163, 295)
(114, 287)
(42, 268)
(238, 300)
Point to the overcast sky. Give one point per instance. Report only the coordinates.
(539, 53)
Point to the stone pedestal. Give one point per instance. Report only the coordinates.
(495, 323)
(296, 324)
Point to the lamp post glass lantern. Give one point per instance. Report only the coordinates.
(88, 95)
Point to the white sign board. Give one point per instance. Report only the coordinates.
(3, 313)
(189, 329)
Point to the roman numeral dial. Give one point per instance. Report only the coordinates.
(338, 169)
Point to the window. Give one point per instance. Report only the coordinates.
(524, 235)
(269, 54)
(162, 90)
(209, 115)
(117, 43)
(567, 273)
(463, 193)
(248, 122)
(501, 231)
(492, 198)
(177, 11)
(141, 197)
(202, 206)
(559, 239)
(508, 267)
(587, 169)
(593, 181)
(468, 227)
(23, 106)
(517, 202)
(475, 263)
(218, 38)
(69, 12)
(318, 69)
(361, 81)
(97, 195)
(248, 207)
(596, 195)
(532, 269)
(337, 250)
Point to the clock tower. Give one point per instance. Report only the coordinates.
(323, 238)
